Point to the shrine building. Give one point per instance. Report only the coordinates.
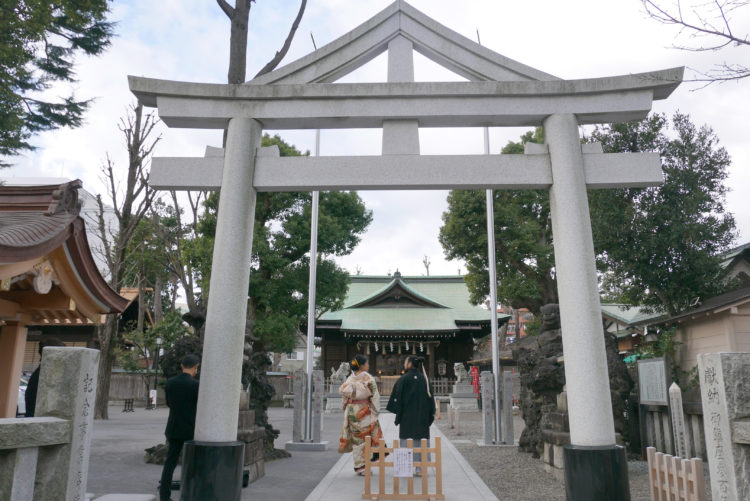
(388, 318)
(48, 276)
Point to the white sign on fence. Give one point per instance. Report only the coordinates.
(403, 463)
(652, 382)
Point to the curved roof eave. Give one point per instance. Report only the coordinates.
(78, 251)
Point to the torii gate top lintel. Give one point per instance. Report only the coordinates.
(500, 91)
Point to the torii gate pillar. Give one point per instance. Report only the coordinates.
(592, 435)
(215, 456)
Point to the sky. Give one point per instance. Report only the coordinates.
(189, 40)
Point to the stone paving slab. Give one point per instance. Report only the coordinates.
(118, 444)
(460, 481)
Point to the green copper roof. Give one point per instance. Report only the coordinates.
(444, 303)
(731, 254)
(396, 283)
(630, 315)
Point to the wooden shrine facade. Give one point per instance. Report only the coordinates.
(389, 318)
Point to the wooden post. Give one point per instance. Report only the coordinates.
(381, 465)
(410, 445)
(423, 462)
(438, 469)
(396, 486)
(368, 470)
(674, 478)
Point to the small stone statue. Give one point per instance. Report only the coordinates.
(461, 375)
(550, 318)
(340, 375)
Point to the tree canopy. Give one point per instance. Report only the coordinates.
(523, 237)
(280, 264)
(39, 41)
(661, 247)
(656, 247)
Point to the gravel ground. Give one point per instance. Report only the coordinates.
(514, 475)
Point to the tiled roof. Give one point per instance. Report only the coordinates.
(630, 315)
(28, 229)
(731, 254)
(36, 222)
(447, 298)
(716, 302)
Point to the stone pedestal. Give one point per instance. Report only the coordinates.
(298, 442)
(252, 436)
(726, 407)
(594, 473)
(212, 471)
(507, 409)
(463, 397)
(334, 404)
(487, 385)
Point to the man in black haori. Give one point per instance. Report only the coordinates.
(413, 404)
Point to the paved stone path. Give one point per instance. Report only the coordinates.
(460, 481)
(118, 445)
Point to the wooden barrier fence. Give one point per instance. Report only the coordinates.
(675, 479)
(657, 429)
(381, 464)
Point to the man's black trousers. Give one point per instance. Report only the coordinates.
(173, 456)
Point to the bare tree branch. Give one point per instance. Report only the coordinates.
(273, 63)
(714, 26)
(228, 9)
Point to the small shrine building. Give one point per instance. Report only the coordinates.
(48, 276)
(388, 318)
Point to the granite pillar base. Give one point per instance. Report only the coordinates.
(212, 471)
(595, 473)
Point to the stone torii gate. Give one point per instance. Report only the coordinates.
(500, 92)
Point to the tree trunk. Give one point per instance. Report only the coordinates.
(158, 309)
(107, 338)
(238, 42)
(276, 360)
(141, 305)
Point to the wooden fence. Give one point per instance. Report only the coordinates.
(675, 479)
(423, 463)
(657, 429)
(442, 387)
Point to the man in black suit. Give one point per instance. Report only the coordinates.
(182, 400)
(33, 386)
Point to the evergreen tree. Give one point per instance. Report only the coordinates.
(39, 41)
(661, 247)
(656, 247)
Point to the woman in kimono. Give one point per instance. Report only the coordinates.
(361, 401)
(413, 404)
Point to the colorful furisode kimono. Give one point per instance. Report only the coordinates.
(361, 401)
